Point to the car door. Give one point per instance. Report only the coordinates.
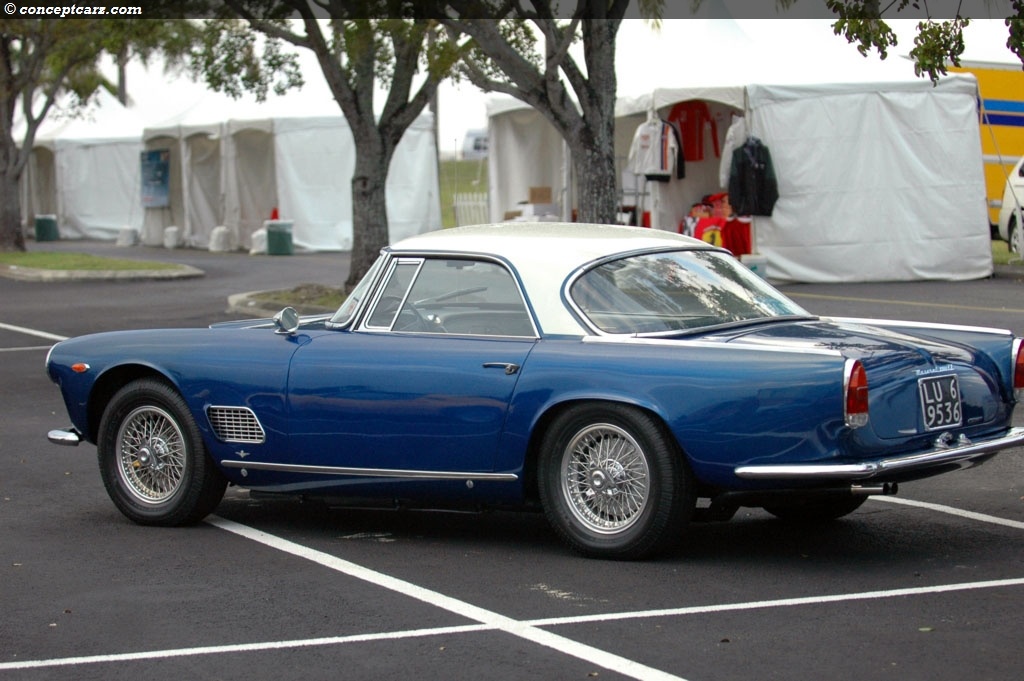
(423, 382)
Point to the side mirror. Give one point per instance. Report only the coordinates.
(286, 321)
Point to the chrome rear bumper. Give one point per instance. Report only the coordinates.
(958, 453)
(66, 436)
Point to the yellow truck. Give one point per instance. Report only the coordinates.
(1001, 105)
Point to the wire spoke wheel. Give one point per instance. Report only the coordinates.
(605, 478)
(613, 482)
(151, 454)
(152, 457)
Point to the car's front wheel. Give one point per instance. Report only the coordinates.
(152, 458)
(613, 483)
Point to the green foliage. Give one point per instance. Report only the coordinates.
(1016, 25)
(935, 44)
(235, 59)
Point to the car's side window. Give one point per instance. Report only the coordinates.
(453, 296)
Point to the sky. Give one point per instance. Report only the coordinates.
(646, 58)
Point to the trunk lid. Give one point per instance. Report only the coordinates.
(917, 385)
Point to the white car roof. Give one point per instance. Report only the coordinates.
(545, 254)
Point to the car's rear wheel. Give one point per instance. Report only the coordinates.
(613, 484)
(152, 458)
(817, 510)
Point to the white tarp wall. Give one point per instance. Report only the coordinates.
(880, 173)
(874, 185)
(314, 162)
(233, 162)
(85, 171)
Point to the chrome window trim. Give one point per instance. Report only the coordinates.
(568, 300)
(375, 269)
(392, 267)
(421, 257)
(369, 472)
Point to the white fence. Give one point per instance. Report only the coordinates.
(471, 209)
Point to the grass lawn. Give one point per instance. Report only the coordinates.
(47, 260)
(460, 177)
(1001, 254)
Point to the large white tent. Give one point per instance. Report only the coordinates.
(84, 170)
(233, 162)
(230, 162)
(880, 173)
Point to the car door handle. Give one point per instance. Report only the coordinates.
(507, 366)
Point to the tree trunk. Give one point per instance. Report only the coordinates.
(593, 144)
(369, 205)
(11, 236)
(598, 200)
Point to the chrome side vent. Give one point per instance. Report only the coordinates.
(236, 424)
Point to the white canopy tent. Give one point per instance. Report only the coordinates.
(85, 171)
(232, 162)
(880, 173)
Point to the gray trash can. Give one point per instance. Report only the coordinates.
(279, 237)
(46, 228)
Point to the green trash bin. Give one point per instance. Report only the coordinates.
(46, 228)
(279, 237)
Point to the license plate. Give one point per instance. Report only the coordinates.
(940, 402)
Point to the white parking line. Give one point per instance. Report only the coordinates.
(26, 348)
(32, 332)
(490, 621)
(970, 515)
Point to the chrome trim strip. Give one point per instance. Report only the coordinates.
(723, 345)
(68, 437)
(369, 472)
(894, 324)
(940, 455)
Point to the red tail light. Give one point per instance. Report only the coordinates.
(856, 394)
(1018, 368)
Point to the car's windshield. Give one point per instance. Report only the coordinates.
(675, 291)
(348, 308)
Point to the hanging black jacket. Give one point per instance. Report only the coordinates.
(753, 189)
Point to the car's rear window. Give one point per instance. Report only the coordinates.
(675, 291)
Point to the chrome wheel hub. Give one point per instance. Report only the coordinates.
(151, 454)
(605, 478)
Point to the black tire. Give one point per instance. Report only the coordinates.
(613, 483)
(817, 510)
(152, 458)
(1012, 235)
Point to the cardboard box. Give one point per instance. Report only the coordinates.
(534, 210)
(540, 195)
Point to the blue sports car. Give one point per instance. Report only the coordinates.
(626, 381)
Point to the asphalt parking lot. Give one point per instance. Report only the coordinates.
(925, 585)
